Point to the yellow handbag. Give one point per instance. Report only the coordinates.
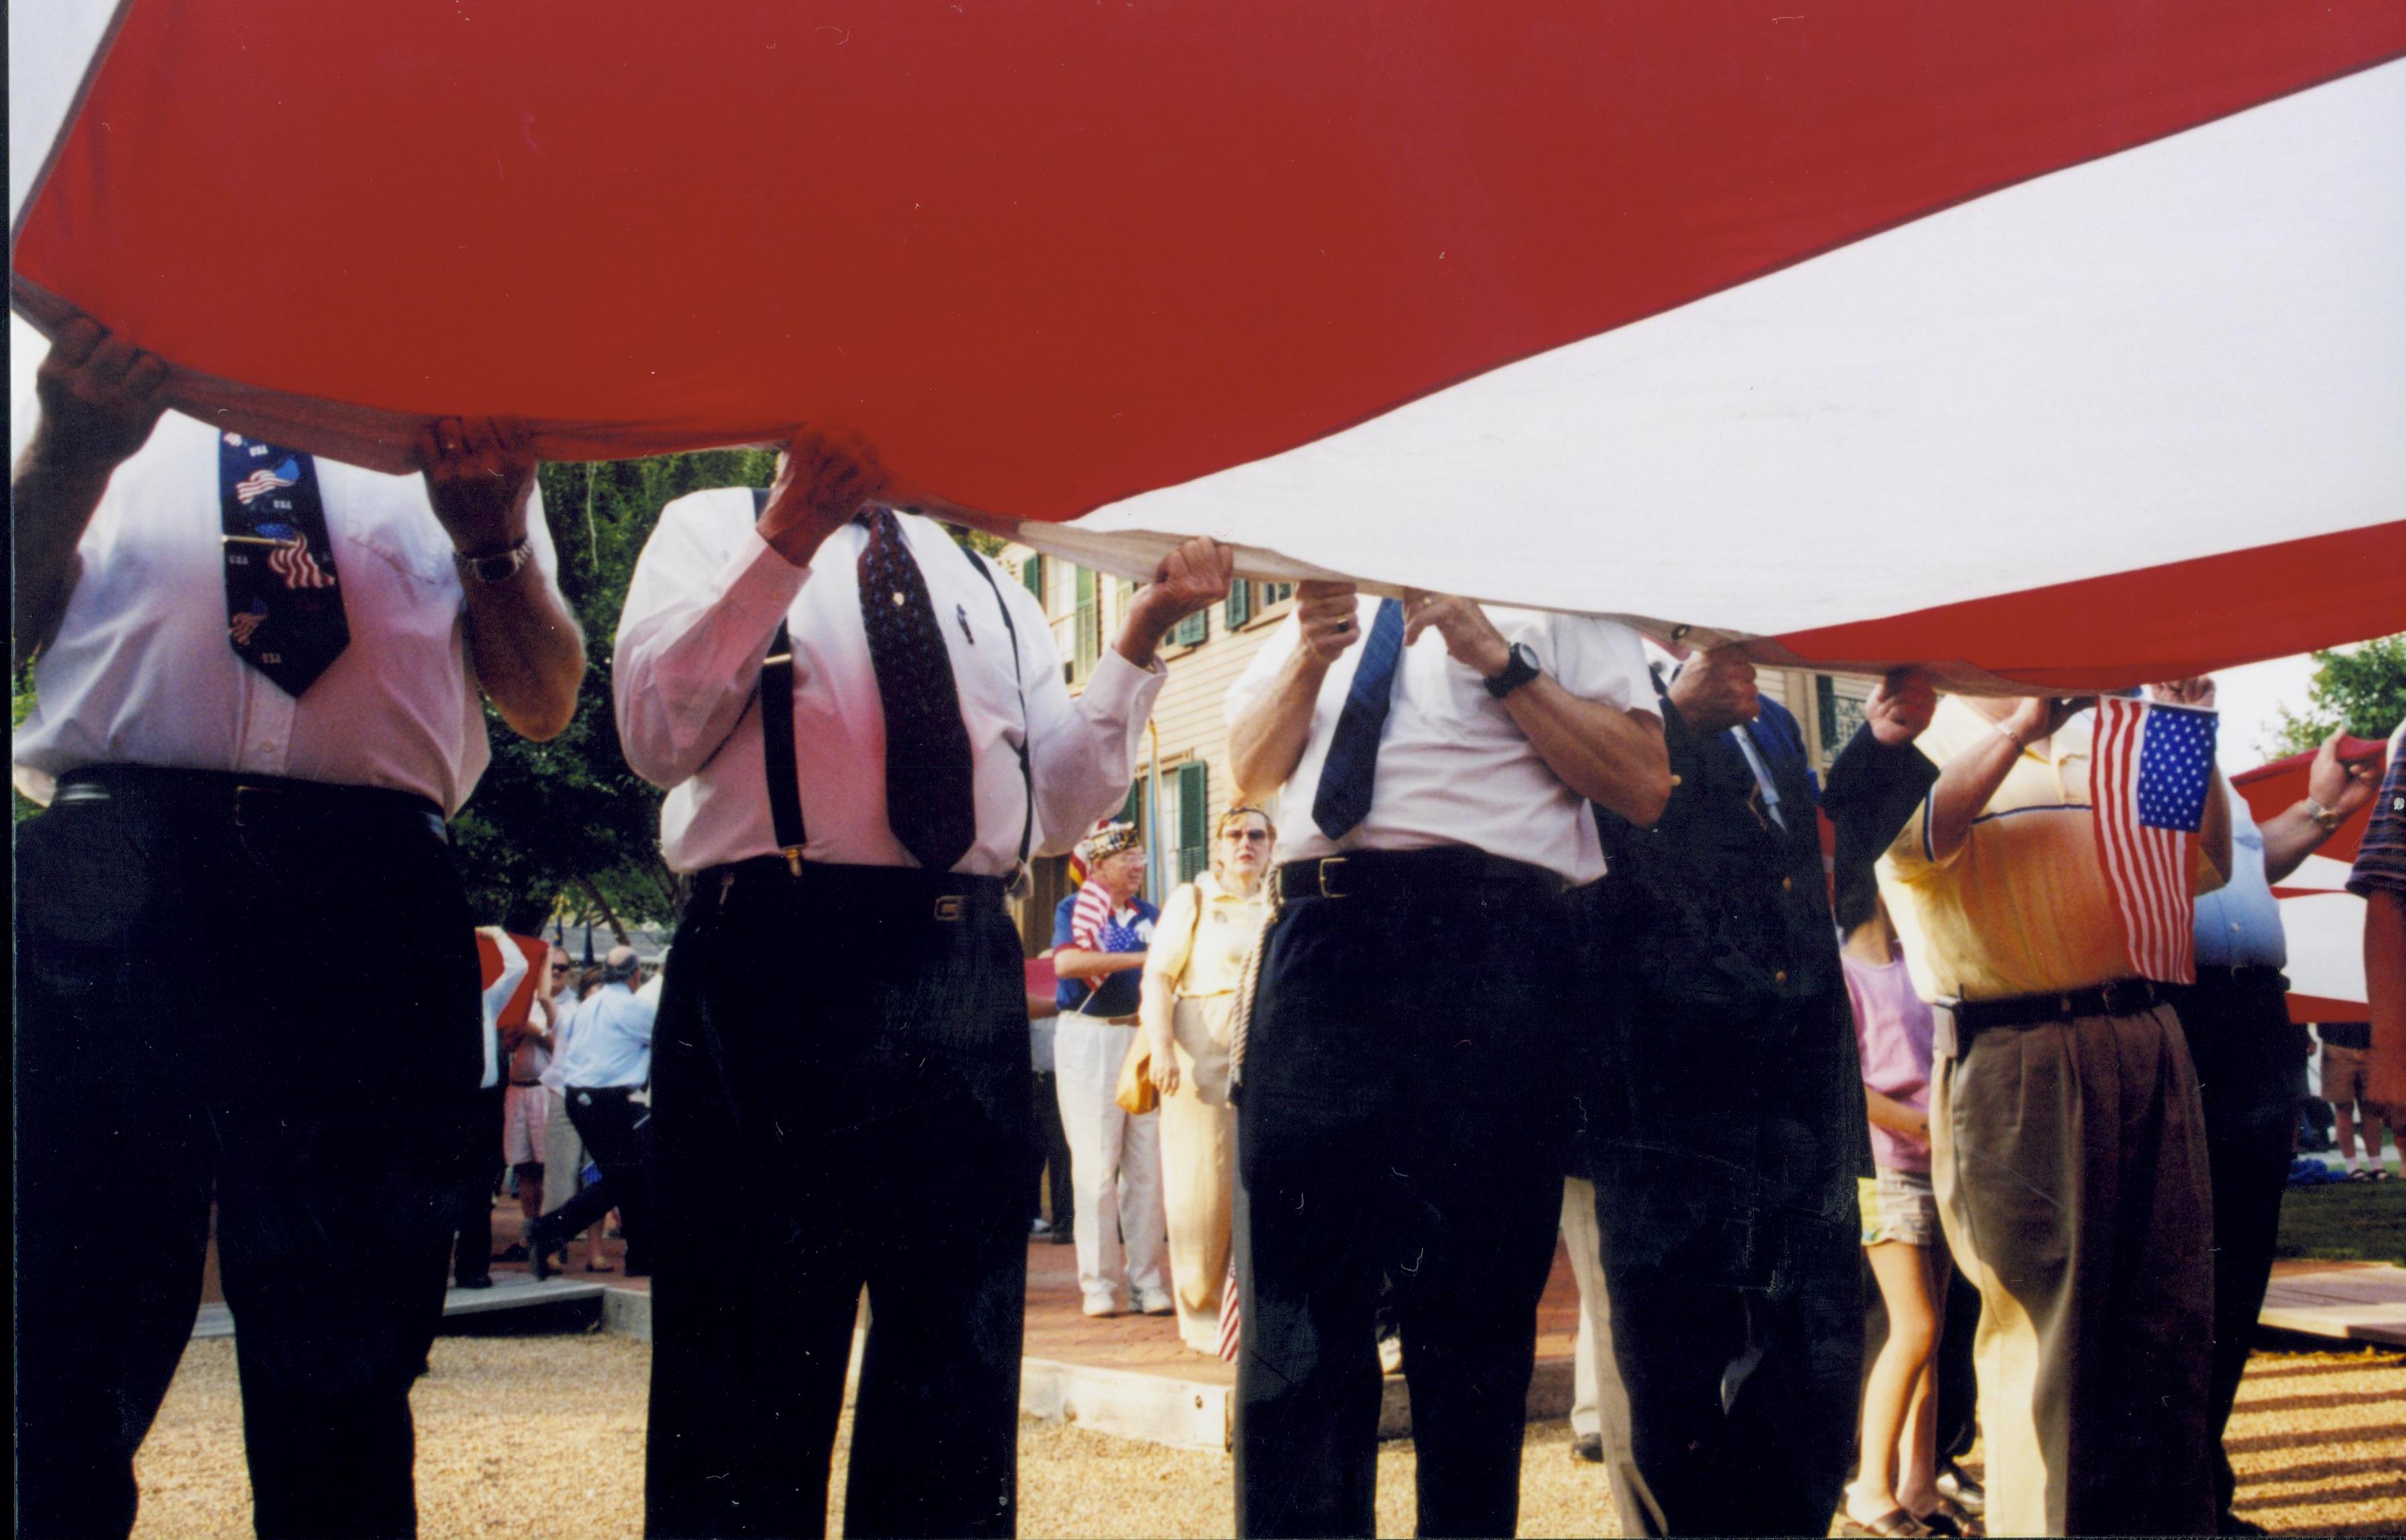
(1137, 1094)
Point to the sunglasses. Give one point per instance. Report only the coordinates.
(1247, 836)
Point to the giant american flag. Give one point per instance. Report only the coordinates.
(2153, 770)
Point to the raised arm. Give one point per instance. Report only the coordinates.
(527, 650)
(2336, 786)
(99, 398)
(1083, 749)
(707, 594)
(1966, 781)
(1266, 741)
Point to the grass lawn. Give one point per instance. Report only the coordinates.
(2346, 1222)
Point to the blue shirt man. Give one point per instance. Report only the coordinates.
(612, 1045)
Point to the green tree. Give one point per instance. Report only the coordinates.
(2361, 689)
(565, 827)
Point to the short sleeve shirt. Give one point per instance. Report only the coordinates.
(1454, 767)
(1129, 930)
(2381, 855)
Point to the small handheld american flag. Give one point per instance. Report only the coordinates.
(2153, 771)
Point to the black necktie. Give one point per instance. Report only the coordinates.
(284, 608)
(930, 802)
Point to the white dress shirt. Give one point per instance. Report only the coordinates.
(612, 1045)
(142, 672)
(1454, 767)
(704, 601)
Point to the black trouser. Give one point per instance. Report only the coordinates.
(477, 1160)
(840, 1082)
(1400, 1116)
(618, 1131)
(177, 966)
(1052, 1145)
(1725, 1156)
(2247, 1052)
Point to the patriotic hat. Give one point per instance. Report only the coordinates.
(1110, 839)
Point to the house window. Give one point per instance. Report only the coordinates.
(1191, 630)
(1031, 572)
(1240, 604)
(1839, 704)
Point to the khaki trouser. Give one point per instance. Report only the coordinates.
(1199, 1166)
(2069, 1159)
(564, 1152)
(1599, 1400)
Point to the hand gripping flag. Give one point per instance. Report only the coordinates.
(2152, 773)
(2322, 924)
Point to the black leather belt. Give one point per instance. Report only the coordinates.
(2254, 976)
(1437, 873)
(948, 896)
(246, 801)
(2122, 998)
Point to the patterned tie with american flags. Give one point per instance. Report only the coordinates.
(284, 606)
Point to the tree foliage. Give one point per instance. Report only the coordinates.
(565, 826)
(2361, 689)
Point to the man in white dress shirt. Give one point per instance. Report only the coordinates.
(864, 733)
(259, 675)
(1402, 1087)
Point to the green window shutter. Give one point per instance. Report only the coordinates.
(1132, 811)
(1240, 604)
(1193, 629)
(1031, 572)
(1194, 819)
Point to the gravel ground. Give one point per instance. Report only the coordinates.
(543, 1437)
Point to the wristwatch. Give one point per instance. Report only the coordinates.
(1517, 673)
(498, 568)
(2329, 820)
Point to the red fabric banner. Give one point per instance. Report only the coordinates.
(1048, 256)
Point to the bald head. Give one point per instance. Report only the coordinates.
(619, 966)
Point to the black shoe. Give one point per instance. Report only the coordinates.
(1587, 1447)
(1062, 1237)
(515, 1252)
(539, 1256)
(477, 1280)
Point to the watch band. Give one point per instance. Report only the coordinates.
(1519, 669)
(500, 567)
(2324, 817)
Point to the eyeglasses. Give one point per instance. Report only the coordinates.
(1246, 835)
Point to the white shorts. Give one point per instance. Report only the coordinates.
(526, 1122)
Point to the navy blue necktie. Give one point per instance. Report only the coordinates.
(931, 794)
(284, 605)
(1343, 800)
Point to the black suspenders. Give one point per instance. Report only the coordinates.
(777, 727)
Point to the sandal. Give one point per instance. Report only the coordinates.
(1896, 1524)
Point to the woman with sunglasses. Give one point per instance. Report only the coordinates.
(1189, 996)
